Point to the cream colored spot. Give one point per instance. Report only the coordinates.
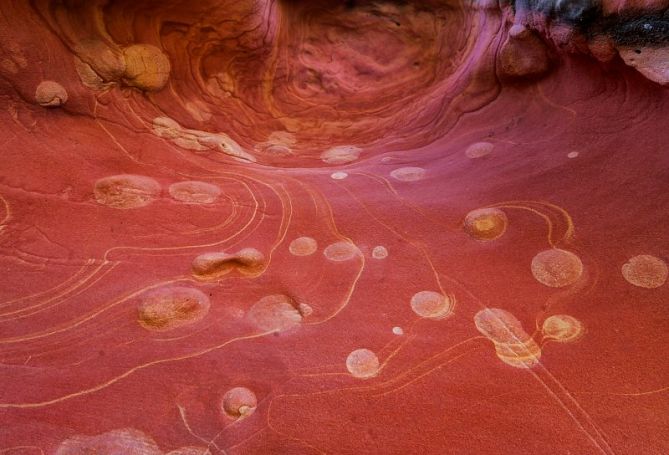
(341, 154)
(305, 309)
(194, 192)
(121, 441)
(645, 271)
(171, 307)
(562, 328)
(557, 268)
(486, 224)
(572, 154)
(50, 94)
(238, 403)
(512, 343)
(379, 252)
(362, 364)
(303, 246)
(432, 305)
(341, 251)
(408, 174)
(190, 450)
(275, 313)
(398, 331)
(126, 191)
(338, 175)
(479, 150)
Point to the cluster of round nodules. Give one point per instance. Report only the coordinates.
(170, 307)
(121, 441)
(213, 265)
(142, 66)
(238, 403)
(485, 224)
(513, 345)
(645, 271)
(363, 364)
(130, 191)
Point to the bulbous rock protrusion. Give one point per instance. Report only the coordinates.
(210, 266)
(652, 62)
(146, 67)
(523, 55)
(50, 94)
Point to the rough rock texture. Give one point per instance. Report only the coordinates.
(351, 227)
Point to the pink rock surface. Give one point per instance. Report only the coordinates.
(251, 227)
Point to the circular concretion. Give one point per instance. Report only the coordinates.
(341, 155)
(379, 252)
(210, 266)
(238, 402)
(432, 305)
(340, 251)
(486, 224)
(50, 94)
(303, 246)
(398, 331)
(645, 271)
(479, 150)
(408, 174)
(146, 67)
(275, 313)
(172, 307)
(194, 192)
(362, 364)
(338, 175)
(126, 191)
(115, 442)
(562, 328)
(556, 268)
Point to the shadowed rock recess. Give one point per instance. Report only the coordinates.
(334, 227)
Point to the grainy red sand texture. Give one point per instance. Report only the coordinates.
(276, 227)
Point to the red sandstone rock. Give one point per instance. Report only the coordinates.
(303, 227)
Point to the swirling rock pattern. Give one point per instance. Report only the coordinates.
(291, 226)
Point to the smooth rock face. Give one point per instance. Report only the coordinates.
(342, 227)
